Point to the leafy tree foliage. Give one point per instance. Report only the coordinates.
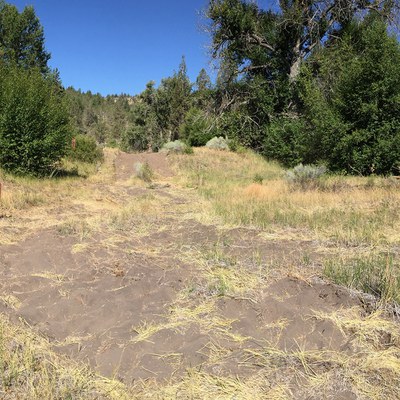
(270, 42)
(85, 150)
(365, 97)
(311, 81)
(104, 118)
(34, 127)
(173, 102)
(143, 132)
(22, 38)
(198, 128)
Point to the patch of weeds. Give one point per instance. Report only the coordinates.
(306, 260)
(305, 177)
(219, 287)
(258, 178)
(217, 256)
(378, 275)
(78, 228)
(144, 172)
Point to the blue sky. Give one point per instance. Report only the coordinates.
(117, 46)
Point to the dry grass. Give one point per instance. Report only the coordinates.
(198, 385)
(350, 211)
(29, 370)
(182, 315)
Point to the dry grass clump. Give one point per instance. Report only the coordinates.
(139, 216)
(181, 315)
(200, 385)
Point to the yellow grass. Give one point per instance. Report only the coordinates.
(352, 213)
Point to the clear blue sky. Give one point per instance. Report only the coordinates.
(117, 46)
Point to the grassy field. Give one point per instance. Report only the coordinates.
(352, 228)
(355, 219)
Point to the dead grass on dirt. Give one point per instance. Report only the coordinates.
(351, 211)
(198, 385)
(30, 370)
(182, 315)
(30, 204)
(371, 370)
(221, 274)
(367, 369)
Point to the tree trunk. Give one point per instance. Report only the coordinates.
(296, 63)
(295, 70)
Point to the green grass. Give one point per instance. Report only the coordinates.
(377, 274)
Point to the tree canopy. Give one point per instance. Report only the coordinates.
(34, 123)
(266, 41)
(22, 39)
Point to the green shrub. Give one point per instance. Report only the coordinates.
(285, 141)
(86, 150)
(197, 129)
(352, 110)
(241, 128)
(305, 176)
(34, 124)
(258, 178)
(217, 143)
(177, 147)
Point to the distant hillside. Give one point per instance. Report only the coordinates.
(105, 118)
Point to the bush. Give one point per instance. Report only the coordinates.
(144, 172)
(177, 147)
(352, 110)
(143, 133)
(86, 150)
(197, 128)
(34, 124)
(284, 141)
(217, 143)
(241, 129)
(305, 176)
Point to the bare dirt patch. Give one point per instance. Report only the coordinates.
(125, 164)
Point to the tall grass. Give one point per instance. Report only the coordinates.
(345, 210)
(377, 274)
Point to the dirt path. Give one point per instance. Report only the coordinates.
(133, 283)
